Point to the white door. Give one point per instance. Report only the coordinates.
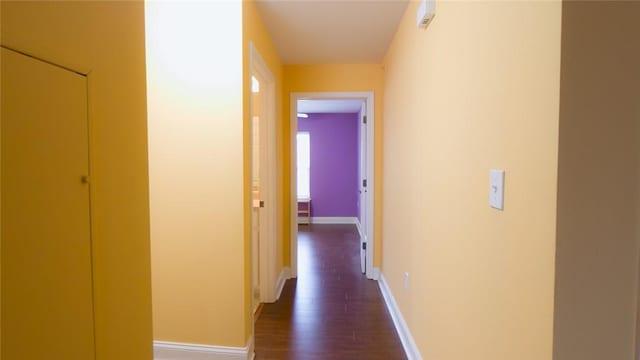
(257, 164)
(47, 285)
(363, 187)
(264, 192)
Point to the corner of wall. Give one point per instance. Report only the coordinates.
(254, 32)
(597, 255)
(198, 217)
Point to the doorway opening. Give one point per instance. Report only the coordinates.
(364, 219)
(263, 182)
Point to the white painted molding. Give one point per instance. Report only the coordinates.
(333, 220)
(410, 348)
(284, 275)
(164, 350)
(330, 220)
(375, 274)
(359, 226)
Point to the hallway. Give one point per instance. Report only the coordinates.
(331, 311)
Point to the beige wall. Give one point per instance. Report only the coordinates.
(477, 90)
(597, 254)
(196, 134)
(254, 31)
(105, 41)
(334, 78)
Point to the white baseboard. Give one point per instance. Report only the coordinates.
(282, 279)
(408, 343)
(333, 220)
(359, 226)
(163, 350)
(375, 274)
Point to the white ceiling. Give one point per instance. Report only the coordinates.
(331, 31)
(329, 106)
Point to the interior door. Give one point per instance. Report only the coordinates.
(256, 194)
(47, 297)
(265, 203)
(265, 199)
(363, 187)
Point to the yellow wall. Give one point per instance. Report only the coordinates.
(1, 189)
(333, 78)
(477, 90)
(254, 31)
(105, 40)
(196, 134)
(597, 251)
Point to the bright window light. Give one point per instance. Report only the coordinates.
(255, 85)
(304, 165)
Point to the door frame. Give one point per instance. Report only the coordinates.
(268, 247)
(362, 176)
(367, 96)
(637, 337)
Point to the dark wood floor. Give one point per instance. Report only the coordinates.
(331, 311)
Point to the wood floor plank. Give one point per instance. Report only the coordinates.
(331, 311)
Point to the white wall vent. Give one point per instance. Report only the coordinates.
(426, 12)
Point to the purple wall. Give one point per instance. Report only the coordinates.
(334, 163)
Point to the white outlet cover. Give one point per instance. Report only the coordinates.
(496, 189)
(406, 281)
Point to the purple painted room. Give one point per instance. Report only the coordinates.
(334, 150)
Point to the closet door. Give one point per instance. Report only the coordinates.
(47, 296)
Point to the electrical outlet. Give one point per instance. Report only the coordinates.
(406, 281)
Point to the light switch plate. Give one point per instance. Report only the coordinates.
(496, 189)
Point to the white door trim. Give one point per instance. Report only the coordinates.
(165, 350)
(268, 247)
(362, 190)
(369, 98)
